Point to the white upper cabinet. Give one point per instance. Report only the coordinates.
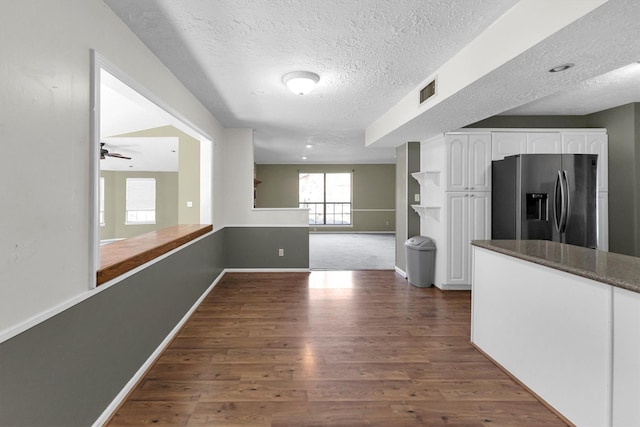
(544, 143)
(561, 141)
(457, 162)
(507, 144)
(590, 143)
(598, 143)
(574, 142)
(479, 162)
(468, 162)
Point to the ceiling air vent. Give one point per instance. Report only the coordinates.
(428, 91)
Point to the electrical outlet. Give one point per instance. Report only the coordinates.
(416, 197)
(189, 204)
(386, 223)
(280, 252)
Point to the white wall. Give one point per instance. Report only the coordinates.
(238, 187)
(44, 127)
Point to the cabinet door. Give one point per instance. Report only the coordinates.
(574, 143)
(457, 162)
(544, 143)
(505, 144)
(479, 216)
(603, 221)
(626, 358)
(479, 223)
(479, 162)
(457, 255)
(598, 143)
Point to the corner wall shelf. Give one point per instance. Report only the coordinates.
(427, 211)
(427, 176)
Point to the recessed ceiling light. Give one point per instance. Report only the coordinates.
(559, 68)
(309, 145)
(304, 157)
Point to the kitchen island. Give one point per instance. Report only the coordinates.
(565, 321)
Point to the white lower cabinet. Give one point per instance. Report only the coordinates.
(603, 221)
(468, 217)
(626, 358)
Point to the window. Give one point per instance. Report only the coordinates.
(141, 201)
(102, 201)
(328, 197)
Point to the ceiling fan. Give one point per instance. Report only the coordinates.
(105, 153)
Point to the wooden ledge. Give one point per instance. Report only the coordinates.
(124, 255)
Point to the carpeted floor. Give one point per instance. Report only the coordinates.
(347, 251)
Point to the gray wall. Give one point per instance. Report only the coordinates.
(66, 370)
(622, 125)
(257, 247)
(531, 122)
(373, 192)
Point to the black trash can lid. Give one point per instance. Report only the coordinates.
(420, 243)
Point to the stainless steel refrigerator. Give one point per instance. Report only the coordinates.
(545, 196)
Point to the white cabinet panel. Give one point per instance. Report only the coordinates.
(479, 216)
(626, 358)
(505, 144)
(598, 143)
(457, 238)
(574, 143)
(468, 218)
(457, 162)
(603, 221)
(550, 329)
(544, 143)
(468, 162)
(590, 143)
(480, 162)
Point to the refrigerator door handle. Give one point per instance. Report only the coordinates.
(558, 203)
(567, 204)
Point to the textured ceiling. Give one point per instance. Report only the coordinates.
(600, 42)
(618, 87)
(369, 54)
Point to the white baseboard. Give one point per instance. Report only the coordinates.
(267, 270)
(446, 287)
(117, 401)
(400, 272)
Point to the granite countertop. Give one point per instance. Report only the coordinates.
(622, 271)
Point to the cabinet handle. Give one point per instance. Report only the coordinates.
(471, 195)
(471, 188)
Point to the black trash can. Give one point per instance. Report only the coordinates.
(421, 261)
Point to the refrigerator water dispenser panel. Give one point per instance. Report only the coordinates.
(537, 207)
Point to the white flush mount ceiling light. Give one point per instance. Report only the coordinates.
(301, 82)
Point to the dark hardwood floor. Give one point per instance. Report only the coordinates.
(328, 349)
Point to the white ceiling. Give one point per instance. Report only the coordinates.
(369, 54)
(618, 87)
(122, 111)
(147, 154)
